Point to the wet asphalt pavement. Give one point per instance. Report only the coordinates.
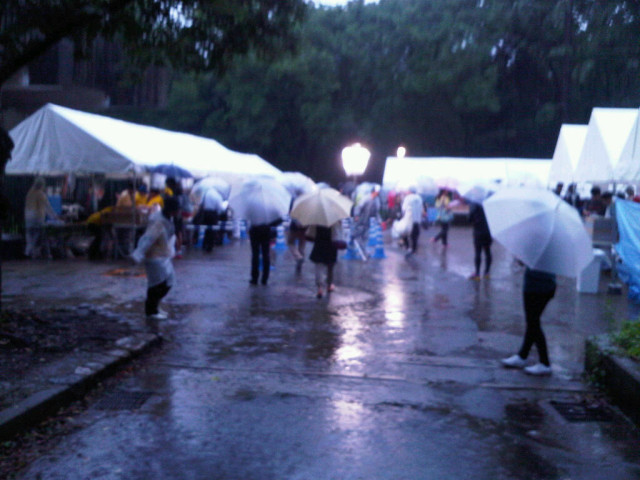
(395, 375)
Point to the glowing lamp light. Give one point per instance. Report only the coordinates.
(355, 159)
(401, 152)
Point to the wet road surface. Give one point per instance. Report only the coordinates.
(393, 376)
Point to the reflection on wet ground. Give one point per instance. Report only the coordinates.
(392, 376)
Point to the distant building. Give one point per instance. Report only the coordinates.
(93, 83)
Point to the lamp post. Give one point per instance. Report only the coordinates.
(354, 160)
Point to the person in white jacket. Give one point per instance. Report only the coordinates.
(157, 249)
(413, 206)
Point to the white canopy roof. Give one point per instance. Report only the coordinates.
(58, 140)
(608, 147)
(567, 153)
(465, 171)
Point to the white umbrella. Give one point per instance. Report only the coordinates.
(222, 186)
(261, 201)
(476, 194)
(540, 229)
(297, 183)
(323, 206)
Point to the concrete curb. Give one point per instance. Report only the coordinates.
(620, 376)
(44, 403)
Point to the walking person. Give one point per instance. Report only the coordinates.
(413, 206)
(445, 215)
(538, 289)
(324, 254)
(481, 240)
(157, 248)
(260, 237)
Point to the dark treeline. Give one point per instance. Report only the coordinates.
(442, 77)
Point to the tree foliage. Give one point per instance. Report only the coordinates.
(191, 34)
(442, 77)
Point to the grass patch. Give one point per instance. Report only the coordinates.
(628, 339)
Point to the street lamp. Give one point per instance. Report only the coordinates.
(401, 152)
(355, 159)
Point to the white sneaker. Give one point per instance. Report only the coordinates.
(514, 361)
(539, 369)
(163, 312)
(157, 316)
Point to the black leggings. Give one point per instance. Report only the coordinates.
(443, 233)
(479, 246)
(415, 233)
(534, 305)
(260, 237)
(154, 295)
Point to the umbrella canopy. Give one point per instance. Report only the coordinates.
(540, 229)
(324, 206)
(222, 186)
(171, 171)
(476, 194)
(297, 183)
(261, 200)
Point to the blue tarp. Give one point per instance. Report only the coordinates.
(628, 247)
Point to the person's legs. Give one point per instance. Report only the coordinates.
(534, 305)
(154, 295)
(477, 259)
(415, 234)
(255, 256)
(265, 248)
(487, 259)
(445, 234)
(330, 285)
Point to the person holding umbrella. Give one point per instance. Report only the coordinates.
(323, 209)
(263, 202)
(547, 235)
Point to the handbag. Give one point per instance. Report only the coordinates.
(339, 244)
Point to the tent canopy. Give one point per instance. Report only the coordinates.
(56, 140)
(607, 155)
(467, 171)
(567, 153)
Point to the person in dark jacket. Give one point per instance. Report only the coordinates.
(538, 289)
(260, 237)
(481, 239)
(324, 254)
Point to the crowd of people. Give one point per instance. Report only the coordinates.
(405, 212)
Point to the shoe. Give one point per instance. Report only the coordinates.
(319, 294)
(487, 276)
(264, 282)
(474, 277)
(539, 370)
(514, 361)
(157, 316)
(331, 288)
(163, 312)
(253, 282)
(299, 262)
(408, 254)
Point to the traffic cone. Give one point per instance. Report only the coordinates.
(373, 227)
(379, 250)
(281, 243)
(351, 253)
(226, 228)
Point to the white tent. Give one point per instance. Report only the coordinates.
(567, 153)
(466, 171)
(58, 140)
(608, 146)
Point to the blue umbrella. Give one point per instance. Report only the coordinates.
(171, 171)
